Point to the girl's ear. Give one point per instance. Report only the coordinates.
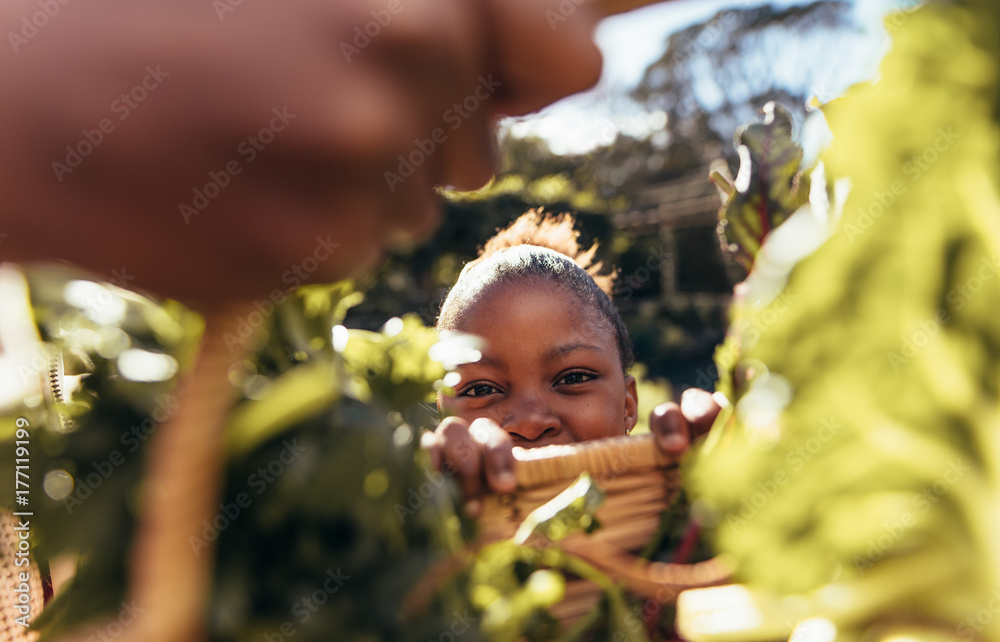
(631, 404)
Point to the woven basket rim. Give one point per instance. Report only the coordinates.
(625, 455)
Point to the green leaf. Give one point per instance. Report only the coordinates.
(570, 511)
(767, 189)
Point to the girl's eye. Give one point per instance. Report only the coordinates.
(575, 377)
(479, 390)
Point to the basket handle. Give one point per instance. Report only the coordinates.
(657, 580)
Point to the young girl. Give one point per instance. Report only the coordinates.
(555, 366)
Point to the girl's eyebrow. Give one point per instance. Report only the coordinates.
(554, 354)
(490, 361)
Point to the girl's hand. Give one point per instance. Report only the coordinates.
(676, 426)
(479, 454)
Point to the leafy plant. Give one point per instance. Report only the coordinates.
(514, 582)
(105, 365)
(334, 416)
(768, 188)
(855, 482)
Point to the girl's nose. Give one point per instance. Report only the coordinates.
(532, 420)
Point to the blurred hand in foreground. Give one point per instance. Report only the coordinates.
(229, 149)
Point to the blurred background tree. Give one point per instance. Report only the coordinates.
(714, 76)
(639, 183)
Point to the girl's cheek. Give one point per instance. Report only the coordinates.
(449, 405)
(578, 429)
(467, 410)
(603, 425)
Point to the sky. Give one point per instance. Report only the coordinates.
(631, 41)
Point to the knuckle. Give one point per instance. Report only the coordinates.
(452, 429)
(501, 448)
(429, 441)
(465, 456)
(664, 413)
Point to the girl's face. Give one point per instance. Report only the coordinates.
(550, 371)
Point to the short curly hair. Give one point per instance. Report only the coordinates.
(539, 246)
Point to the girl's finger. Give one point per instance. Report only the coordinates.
(699, 408)
(498, 456)
(429, 441)
(670, 429)
(464, 455)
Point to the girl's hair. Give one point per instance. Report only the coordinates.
(541, 247)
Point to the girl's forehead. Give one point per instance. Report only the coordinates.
(526, 302)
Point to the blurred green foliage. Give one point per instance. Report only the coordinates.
(325, 480)
(89, 428)
(857, 478)
(348, 415)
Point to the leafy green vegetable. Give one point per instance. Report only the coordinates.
(768, 188)
(514, 584)
(570, 511)
(857, 477)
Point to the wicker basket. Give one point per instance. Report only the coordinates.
(10, 582)
(640, 483)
